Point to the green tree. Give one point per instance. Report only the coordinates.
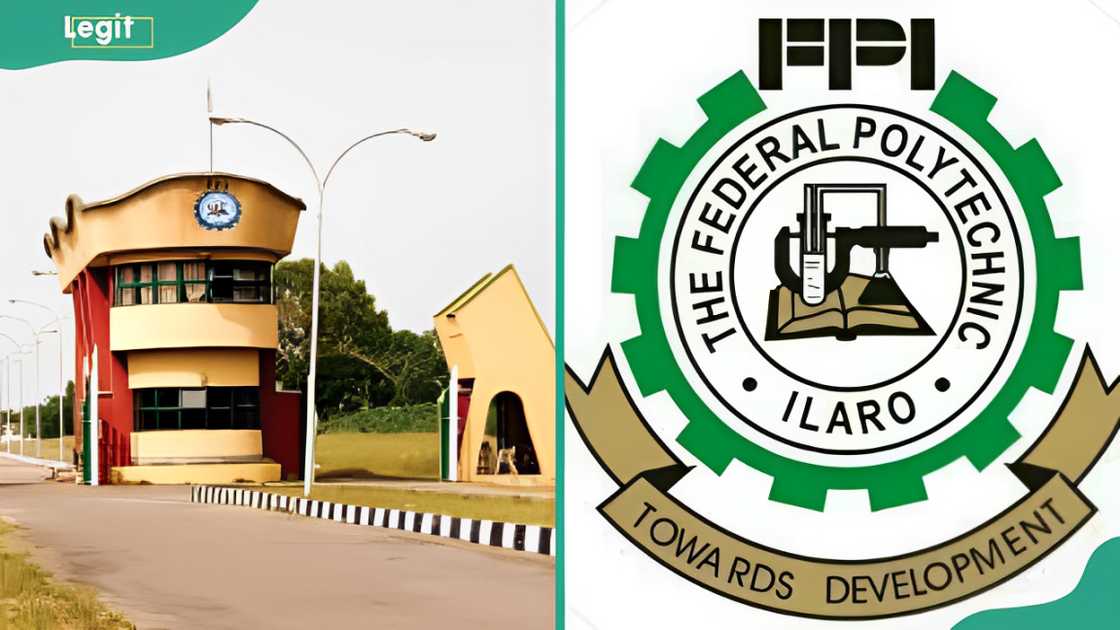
(420, 364)
(48, 414)
(363, 362)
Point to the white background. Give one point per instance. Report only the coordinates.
(634, 70)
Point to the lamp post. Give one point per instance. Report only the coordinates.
(7, 433)
(19, 371)
(61, 392)
(8, 387)
(321, 184)
(19, 395)
(22, 418)
(35, 340)
(8, 398)
(38, 391)
(39, 395)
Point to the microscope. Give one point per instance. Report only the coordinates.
(813, 281)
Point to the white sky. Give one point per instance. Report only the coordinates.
(419, 222)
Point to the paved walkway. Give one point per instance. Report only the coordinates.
(14, 473)
(167, 563)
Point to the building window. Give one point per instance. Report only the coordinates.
(126, 286)
(173, 408)
(145, 285)
(238, 282)
(168, 282)
(195, 282)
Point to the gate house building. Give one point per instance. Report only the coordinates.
(502, 357)
(171, 283)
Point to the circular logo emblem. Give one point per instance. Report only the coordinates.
(844, 280)
(846, 296)
(217, 210)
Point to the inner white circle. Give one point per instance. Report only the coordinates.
(867, 359)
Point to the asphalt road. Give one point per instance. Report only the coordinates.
(168, 563)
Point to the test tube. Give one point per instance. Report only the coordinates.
(814, 249)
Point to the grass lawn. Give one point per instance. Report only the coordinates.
(406, 456)
(509, 509)
(374, 455)
(50, 448)
(30, 599)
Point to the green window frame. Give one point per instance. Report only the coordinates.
(131, 288)
(192, 274)
(176, 408)
(169, 289)
(194, 281)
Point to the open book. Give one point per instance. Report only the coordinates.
(861, 306)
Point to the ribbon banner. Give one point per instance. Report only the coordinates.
(644, 511)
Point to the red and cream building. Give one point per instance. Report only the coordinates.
(172, 285)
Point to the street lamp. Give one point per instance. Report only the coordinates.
(38, 391)
(61, 393)
(7, 433)
(20, 352)
(8, 387)
(22, 419)
(321, 184)
(19, 371)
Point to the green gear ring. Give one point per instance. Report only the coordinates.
(895, 483)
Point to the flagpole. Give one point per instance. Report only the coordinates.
(210, 110)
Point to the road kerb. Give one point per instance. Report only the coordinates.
(528, 538)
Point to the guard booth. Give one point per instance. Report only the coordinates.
(176, 331)
(498, 413)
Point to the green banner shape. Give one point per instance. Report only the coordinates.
(1091, 604)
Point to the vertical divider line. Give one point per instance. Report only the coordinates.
(558, 525)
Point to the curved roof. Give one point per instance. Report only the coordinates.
(159, 215)
(74, 203)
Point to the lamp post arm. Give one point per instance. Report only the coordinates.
(352, 146)
(22, 321)
(46, 308)
(246, 121)
(14, 342)
(57, 320)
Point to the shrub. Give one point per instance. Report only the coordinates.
(421, 418)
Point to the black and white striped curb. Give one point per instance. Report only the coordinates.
(532, 538)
